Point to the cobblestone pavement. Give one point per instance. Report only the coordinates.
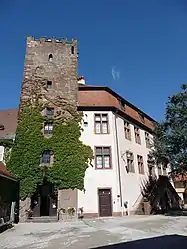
(91, 233)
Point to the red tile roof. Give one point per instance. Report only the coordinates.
(97, 96)
(4, 171)
(88, 96)
(8, 122)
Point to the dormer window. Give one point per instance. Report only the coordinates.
(50, 57)
(142, 118)
(122, 105)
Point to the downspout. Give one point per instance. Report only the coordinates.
(118, 162)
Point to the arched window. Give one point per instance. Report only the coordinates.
(72, 50)
(50, 57)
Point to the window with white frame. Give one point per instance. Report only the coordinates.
(130, 162)
(103, 157)
(127, 130)
(48, 128)
(137, 135)
(101, 123)
(46, 157)
(140, 164)
(151, 165)
(147, 140)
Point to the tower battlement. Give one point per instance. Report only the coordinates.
(62, 40)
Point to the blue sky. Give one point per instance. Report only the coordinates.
(136, 47)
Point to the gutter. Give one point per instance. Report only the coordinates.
(120, 113)
(118, 160)
(8, 177)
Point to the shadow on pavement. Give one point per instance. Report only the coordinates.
(162, 242)
(5, 227)
(182, 212)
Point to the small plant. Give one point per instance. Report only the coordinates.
(71, 211)
(62, 210)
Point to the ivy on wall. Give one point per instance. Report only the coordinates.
(71, 156)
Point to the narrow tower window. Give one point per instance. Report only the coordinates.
(46, 157)
(49, 112)
(72, 50)
(48, 128)
(50, 57)
(49, 84)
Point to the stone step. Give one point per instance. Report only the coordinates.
(43, 219)
(178, 212)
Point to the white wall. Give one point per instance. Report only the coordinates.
(131, 183)
(95, 178)
(1, 153)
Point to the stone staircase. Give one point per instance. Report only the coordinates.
(43, 219)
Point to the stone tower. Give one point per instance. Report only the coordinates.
(50, 69)
(55, 63)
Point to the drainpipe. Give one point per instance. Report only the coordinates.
(118, 162)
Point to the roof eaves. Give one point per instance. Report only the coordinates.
(88, 87)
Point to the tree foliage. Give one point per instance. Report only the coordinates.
(170, 142)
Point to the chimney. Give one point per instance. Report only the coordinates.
(81, 80)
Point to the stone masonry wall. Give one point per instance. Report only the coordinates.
(55, 61)
(61, 69)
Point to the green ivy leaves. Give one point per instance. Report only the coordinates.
(71, 156)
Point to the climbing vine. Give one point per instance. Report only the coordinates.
(71, 156)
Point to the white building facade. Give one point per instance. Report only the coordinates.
(121, 163)
(120, 136)
(2, 149)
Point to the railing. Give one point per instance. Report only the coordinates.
(140, 195)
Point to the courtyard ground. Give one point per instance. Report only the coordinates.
(93, 233)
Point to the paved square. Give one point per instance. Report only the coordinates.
(90, 233)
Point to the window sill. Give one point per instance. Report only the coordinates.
(47, 165)
(103, 168)
(101, 133)
(47, 135)
(138, 143)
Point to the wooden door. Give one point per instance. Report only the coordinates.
(185, 197)
(105, 202)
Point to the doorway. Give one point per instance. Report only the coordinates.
(44, 201)
(185, 197)
(105, 202)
